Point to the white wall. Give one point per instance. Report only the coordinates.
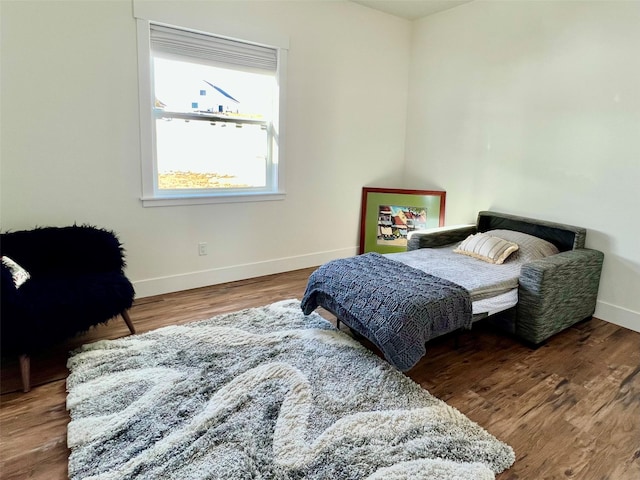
(533, 108)
(70, 144)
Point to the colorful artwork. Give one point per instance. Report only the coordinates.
(394, 223)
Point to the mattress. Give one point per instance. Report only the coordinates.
(483, 280)
(496, 304)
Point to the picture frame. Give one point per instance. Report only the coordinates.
(388, 215)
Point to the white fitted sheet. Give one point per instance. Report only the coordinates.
(496, 304)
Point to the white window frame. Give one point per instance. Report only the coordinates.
(151, 195)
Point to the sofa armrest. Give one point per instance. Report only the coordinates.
(439, 237)
(557, 292)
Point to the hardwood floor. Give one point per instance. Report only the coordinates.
(570, 409)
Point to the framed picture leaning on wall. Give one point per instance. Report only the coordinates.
(388, 215)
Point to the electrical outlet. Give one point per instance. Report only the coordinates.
(202, 248)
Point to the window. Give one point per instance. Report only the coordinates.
(210, 117)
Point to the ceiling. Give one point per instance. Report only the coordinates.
(411, 9)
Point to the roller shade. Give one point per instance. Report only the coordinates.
(215, 49)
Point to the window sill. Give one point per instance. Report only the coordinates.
(171, 201)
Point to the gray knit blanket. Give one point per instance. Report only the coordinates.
(397, 307)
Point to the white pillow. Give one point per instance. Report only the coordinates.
(19, 274)
(487, 248)
(531, 248)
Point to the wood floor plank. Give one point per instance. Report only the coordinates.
(570, 409)
(33, 433)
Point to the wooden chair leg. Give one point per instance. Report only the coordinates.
(25, 367)
(127, 320)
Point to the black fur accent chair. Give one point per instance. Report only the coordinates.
(76, 281)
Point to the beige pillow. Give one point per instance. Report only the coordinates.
(487, 248)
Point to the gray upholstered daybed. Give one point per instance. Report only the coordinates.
(400, 301)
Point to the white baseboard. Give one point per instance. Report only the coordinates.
(618, 315)
(186, 281)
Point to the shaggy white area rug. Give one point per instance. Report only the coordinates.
(264, 393)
